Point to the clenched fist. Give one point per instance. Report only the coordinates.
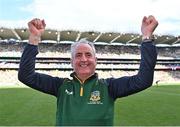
(148, 26)
(36, 28)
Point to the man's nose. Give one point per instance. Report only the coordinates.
(83, 58)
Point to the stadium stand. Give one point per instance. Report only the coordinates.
(113, 38)
(112, 45)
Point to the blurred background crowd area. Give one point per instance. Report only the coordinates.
(9, 77)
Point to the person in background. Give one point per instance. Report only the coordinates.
(85, 99)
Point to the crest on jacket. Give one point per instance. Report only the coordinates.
(95, 98)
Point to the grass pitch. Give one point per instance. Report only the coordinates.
(156, 106)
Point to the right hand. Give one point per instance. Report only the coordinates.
(148, 26)
(36, 29)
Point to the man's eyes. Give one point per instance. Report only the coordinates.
(78, 55)
(87, 55)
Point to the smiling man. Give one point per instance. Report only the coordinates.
(83, 59)
(85, 99)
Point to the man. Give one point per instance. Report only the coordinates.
(86, 99)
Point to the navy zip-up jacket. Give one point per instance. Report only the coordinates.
(116, 87)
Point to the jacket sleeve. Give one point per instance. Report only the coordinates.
(124, 86)
(29, 77)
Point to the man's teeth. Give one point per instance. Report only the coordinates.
(83, 65)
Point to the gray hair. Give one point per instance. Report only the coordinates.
(82, 41)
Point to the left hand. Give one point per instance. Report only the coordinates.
(148, 26)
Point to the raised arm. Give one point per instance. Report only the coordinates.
(124, 86)
(26, 73)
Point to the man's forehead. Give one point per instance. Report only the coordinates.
(83, 51)
(83, 46)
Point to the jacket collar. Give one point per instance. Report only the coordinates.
(73, 75)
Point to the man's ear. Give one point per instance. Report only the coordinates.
(96, 60)
(71, 62)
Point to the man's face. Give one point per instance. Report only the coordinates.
(84, 61)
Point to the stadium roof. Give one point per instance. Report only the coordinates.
(50, 35)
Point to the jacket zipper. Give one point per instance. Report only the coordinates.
(82, 88)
